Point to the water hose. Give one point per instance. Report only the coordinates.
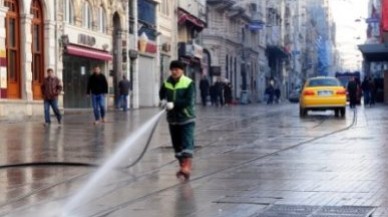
(82, 164)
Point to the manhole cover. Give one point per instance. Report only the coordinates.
(316, 211)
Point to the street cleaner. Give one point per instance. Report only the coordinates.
(177, 95)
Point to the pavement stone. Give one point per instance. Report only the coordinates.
(248, 158)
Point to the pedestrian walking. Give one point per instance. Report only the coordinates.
(270, 92)
(228, 93)
(124, 87)
(277, 94)
(51, 88)
(178, 93)
(372, 87)
(213, 95)
(352, 90)
(204, 88)
(365, 86)
(97, 87)
(219, 89)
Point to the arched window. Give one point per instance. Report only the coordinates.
(37, 48)
(87, 16)
(102, 19)
(69, 11)
(12, 43)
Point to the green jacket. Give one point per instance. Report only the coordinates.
(182, 94)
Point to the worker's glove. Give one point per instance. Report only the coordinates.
(169, 106)
(163, 103)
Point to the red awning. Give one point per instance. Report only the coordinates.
(88, 52)
(184, 16)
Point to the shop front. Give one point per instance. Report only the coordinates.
(81, 52)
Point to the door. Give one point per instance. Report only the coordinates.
(76, 73)
(12, 42)
(37, 48)
(147, 84)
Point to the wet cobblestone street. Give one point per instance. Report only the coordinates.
(248, 159)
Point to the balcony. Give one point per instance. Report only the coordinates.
(221, 5)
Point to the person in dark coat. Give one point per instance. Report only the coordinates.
(97, 87)
(277, 94)
(219, 86)
(372, 87)
(213, 95)
(124, 87)
(228, 93)
(352, 90)
(270, 92)
(365, 86)
(51, 88)
(204, 88)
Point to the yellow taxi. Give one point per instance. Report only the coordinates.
(323, 93)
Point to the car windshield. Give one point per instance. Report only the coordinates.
(323, 82)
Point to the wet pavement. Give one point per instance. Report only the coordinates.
(248, 160)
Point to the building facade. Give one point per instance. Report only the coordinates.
(69, 36)
(25, 25)
(235, 46)
(191, 21)
(91, 33)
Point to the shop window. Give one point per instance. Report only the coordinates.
(87, 16)
(102, 20)
(69, 11)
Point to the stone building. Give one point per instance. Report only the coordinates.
(69, 36)
(235, 44)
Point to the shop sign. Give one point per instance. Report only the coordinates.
(86, 40)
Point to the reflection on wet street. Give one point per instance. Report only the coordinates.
(248, 158)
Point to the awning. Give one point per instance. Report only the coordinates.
(277, 51)
(184, 16)
(88, 52)
(374, 52)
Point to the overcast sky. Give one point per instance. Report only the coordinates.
(345, 12)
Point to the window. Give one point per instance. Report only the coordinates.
(102, 20)
(323, 82)
(69, 11)
(87, 16)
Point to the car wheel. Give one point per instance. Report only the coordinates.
(302, 112)
(343, 112)
(336, 112)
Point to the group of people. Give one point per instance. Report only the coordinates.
(356, 89)
(272, 93)
(97, 88)
(220, 92)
